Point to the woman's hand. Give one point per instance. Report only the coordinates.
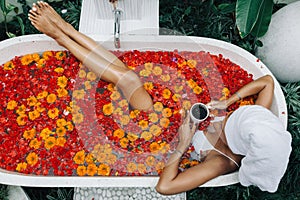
(221, 105)
(186, 133)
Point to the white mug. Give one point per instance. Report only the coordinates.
(199, 112)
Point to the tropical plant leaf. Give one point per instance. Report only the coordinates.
(20, 21)
(3, 6)
(247, 12)
(10, 8)
(227, 8)
(264, 19)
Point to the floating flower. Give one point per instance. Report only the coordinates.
(34, 115)
(108, 109)
(148, 66)
(150, 161)
(29, 134)
(79, 157)
(61, 92)
(134, 113)
(158, 106)
(21, 110)
(164, 122)
(124, 142)
(119, 133)
(143, 124)
(146, 135)
(191, 83)
(45, 133)
(82, 73)
(131, 167)
(32, 158)
(87, 85)
(59, 70)
(148, 85)
(81, 170)
(91, 169)
(167, 112)
(61, 122)
(41, 63)
(155, 130)
(53, 113)
(154, 147)
(89, 159)
(125, 119)
(157, 71)
(50, 142)
(115, 95)
(141, 168)
(123, 103)
(166, 93)
(69, 126)
(145, 73)
(176, 97)
(51, 98)
(60, 55)
(197, 90)
(91, 76)
(111, 159)
(42, 95)
(11, 105)
(62, 81)
(21, 166)
(186, 105)
(153, 117)
(103, 170)
(165, 77)
(192, 63)
(21, 119)
(47, 54)
(61, 131)
(8, 65)
(178, 88)
(159, 166)
(35, 143)
(132, 137)
(77, 118)
(26, 59)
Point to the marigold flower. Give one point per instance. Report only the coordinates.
(91, 76)
(89, 159)
(134, 113)
(205, 71)
(191, 83)
(141, 168)
(91, 169)
(155, 130)
(123, 103)
(32, 158)
(45, 133)
(51, 98)
(11, 105)
(166, 93)
(176, 97)
(26, 59)
(146, 135)
(108, 109)
(59, 70)
(77, 118)
(164, 122)
(132, 137)
(131, 167)
(192, 63)
(69, 126)
(87, 85)
(103, 170)
(33, 115)
(154, 147)
(61, 122)
(21, 166)
(186, 105)
(148, 66)
(124, 142)
(148, 85)
(143, 124)
(62, 81)
(158, 106)
(53, 113)
(157, 71)
(79, 157)
(115, 95)
(29, 134)
(35, 57)
(60, 55)
(60, 141)
(8, 65)
(225, 92)
(119, 133)
(39, 108)
(125, 119)
(111, 87)
(47, 54)
(153, 117)
(35, 143)
(21, 110)
(50, 142)
(61, 131)
(159, 166)
(167, 112)
(21, 119)
(42, 95)
(197, 90)
(78, 94)
(165, 77)
(61, 92)
(145, 73)
(82, 73)
(100, 156)
(81, 170)
(111, 159)
(178, 88)
(150, 161)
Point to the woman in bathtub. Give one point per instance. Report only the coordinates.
(251, 139)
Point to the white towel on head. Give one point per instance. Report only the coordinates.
(256, 133)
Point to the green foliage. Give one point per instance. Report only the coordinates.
(49, 193)
(6, 9)
(3, 192)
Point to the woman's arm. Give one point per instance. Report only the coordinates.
(263, 86)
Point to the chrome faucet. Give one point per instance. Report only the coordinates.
(117, 13)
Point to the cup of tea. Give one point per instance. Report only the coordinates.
(199, 112)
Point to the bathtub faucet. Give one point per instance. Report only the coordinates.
(117, 13)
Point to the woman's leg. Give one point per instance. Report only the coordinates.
(125, 79)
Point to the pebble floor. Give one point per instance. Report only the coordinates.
(122, 193)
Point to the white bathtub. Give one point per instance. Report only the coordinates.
(38, 43)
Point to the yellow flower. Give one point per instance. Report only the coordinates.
(77, 118)
(143, 124)
(61, 122)
(178, 88)
(50, 142)
(61, 131)
(89, 159)
(81, 170)
(115, 95)
(21, 110)
(131, 167)
(146, 135)
(132, 137)
(35, 57)
(79, 157)
(167, 112)
(148, 66)
(51, 98)
(124, 142)
(119, 133)
(31, 101)
(29, 134)
(157, 71)
(21, 166)
(45, 133)
(47, 54)
(38, 107)
(191, 83)
(62, 92)
(155, 130)
(62, 81)
(111, 159)
(11, 105)
(158, 106)
(100, 156)
(225, 92)
(154, 147)
(87, 85)
(176, 97)
(205, 71)
(32, 158)
(8, 65)
(91, 76)
(78, 94)
(125, 119)
(69, 126)
(148, 85)
(164, 147)
(141, 168)
(186, 105)
(60, 141)
(192, 63)
(91, 169)
(60, 55)
(35, 143)
(153, 117)
(134, 113)
(53, 113)
(26, 59)
(108, 109)
(103, 170)
(150, 161)
(123, 103)
(159, 166)
(59, 70)
(42, 95)
(166, 93)
(165, 77)
(197, 90)
(118, 111)
(21, 119)
(111, 87)
(82, 73)
(34, 115)
(164, 122)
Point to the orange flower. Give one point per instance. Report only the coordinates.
(11, 105)
(148, 66)
(89, 159)
(146, 135)
(100, 156)
(125, 119)
(119, 133)
(111, 87)
(47, 54)
(197, 90)
(61, 92)
(176, 97)
(124, 142)
(132, 137)
(167, 112)
(164, 122)
(61, 122)
(150, 161)
(60, 55)
(8, 65)
(59, 70)
(29, 134)
(81, 170)
(53, 113)
(78, 94)
(191, 83)
(165, 77)
(21, 166)
(192, 63)
(42, 95)
(205, 71)
(35, 143)
(77, 118)
(82, 74)
(61, 131)
(50, 142)
(141, 168)
(34, 115)
(51, 98)
(108, 109)
(154, 147)
(35, 57)
(186, 105)
(123, 103)
(157, 70)
(155, 130)
(111, 158)
(21, 110)
(79, 157)
(159, 166)
(103, 170)
(45, 133)
(134, 113)
(91, 76)
(178, 88)
(118, 111)
(21, 119)
(143, 124)
(115, 95)
(60, 141)
(62, 81)
(145, 73)
(26, 59)
(131, 167)
(166, 93)
(69, 126)
(87, 85)
(153, 117)
(225, 92)
(91, 169)
(32, 158)
(32, 101)
(148, 85)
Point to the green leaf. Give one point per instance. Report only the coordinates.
(21, 23)
(247, 12)
(3, 6)
(10, 35)
(226, 8)
(264, 19)
(10, 8)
